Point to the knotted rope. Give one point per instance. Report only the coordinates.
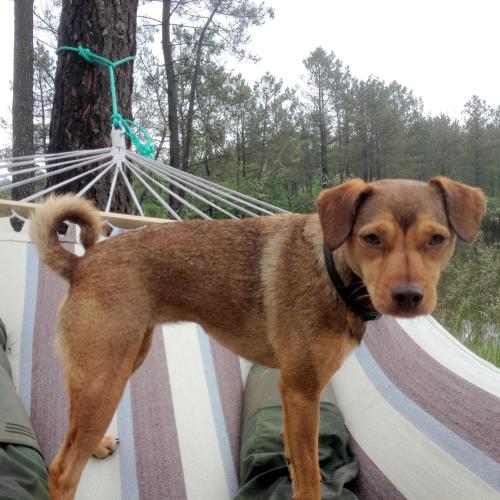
(144, 147)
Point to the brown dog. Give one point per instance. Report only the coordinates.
(259, 286)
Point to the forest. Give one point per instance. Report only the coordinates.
(283, 145)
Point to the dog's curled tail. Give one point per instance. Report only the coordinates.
(45, 220)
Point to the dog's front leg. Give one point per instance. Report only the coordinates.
(300, 433)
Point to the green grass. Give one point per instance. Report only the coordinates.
(469, 298)
(485, 342)
(490, 351)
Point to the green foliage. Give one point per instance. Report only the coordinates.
(491, 221)
(469, 302)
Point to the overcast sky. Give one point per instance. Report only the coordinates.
(446, 51)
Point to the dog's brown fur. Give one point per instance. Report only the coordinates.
(259, 286)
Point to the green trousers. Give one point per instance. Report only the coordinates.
(263, 471)
(23, 473)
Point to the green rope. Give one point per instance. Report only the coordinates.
(145, 147)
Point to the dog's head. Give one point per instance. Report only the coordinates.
(399, 234)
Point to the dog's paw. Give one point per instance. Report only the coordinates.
(106, 447)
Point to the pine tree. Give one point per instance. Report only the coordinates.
(82, 101)
(22, 95)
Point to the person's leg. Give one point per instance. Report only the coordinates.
(23, 473)
(264, 472)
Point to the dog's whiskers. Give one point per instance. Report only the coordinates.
(356, 290)
(362, 297)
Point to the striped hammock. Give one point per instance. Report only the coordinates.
(422, 410)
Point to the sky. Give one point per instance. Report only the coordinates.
(445, 51)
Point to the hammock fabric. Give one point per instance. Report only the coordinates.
(423, 411)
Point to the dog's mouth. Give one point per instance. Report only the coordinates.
(405, 313)
(402, 312)
(407, 301)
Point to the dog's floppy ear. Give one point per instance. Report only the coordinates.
(465, 206)
(337, 209)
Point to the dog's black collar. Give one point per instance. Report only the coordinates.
(354, 295)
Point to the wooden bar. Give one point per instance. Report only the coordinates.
(119, 220)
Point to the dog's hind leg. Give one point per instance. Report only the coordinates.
(147, 340)
(95, 377)
(108, 444)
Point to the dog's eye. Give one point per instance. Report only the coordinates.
(436, 240)
(371, 239)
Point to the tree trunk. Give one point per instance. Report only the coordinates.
(477, 154)
(263, 142)
(347, 156)
(186, 153)
(82, 101)
(243, 148)
(22, 98)
(238, 147)
(159, 148)
(207, 168)
(309, 173)
(173, 118)
(44, 124)
(173, 110)
(325, 178)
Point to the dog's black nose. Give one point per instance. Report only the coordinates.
(407, 297)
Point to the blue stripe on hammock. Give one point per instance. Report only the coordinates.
(30, 302)
(218, 413)
(462, 451)
(128, 467)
